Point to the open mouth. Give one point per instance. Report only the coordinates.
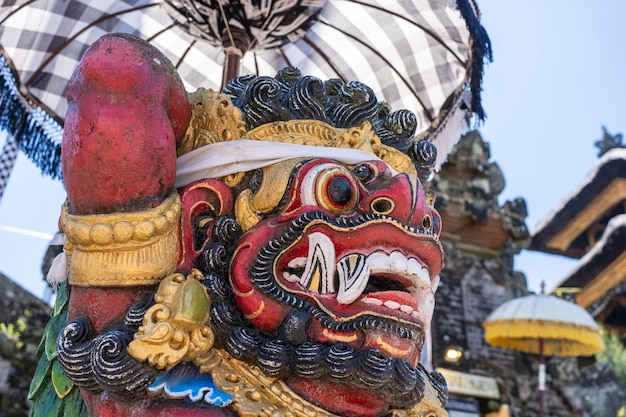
(357, 274)
(367, 281)
(378, 267)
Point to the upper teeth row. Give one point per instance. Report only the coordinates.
(353, 270)
(409, 228)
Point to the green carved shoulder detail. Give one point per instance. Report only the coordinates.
(51, 391)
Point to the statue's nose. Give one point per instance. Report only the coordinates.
(403, 200)
(393, 198)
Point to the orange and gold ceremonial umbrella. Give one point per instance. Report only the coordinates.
(543, 325)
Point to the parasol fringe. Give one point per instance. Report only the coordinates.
(450, 130)
(38, 134)
(560, 338)
(480, 52)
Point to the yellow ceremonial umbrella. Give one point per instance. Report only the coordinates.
(543, 325)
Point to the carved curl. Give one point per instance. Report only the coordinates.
(176, 329)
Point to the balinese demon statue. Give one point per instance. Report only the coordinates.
(266, 251)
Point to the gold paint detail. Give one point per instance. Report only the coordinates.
(234, 179)
(393, 350)
(255, 394)
(276, 178)
(249, 207)
(245, 215)
(122, 249)
(430, 198)
(318, 133)
(176, 329)
(214, 119)
(338, 337)
(316, 280)
(257, 313)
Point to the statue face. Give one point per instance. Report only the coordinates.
(304, 283)
(328, 289)
(317, 273)
(349, 257)
(354, 247)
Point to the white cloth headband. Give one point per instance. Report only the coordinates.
(225, 158)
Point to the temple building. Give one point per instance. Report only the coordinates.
(590, 225)
(481, 238)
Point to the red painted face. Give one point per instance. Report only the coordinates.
(328, 290)
(356, 247)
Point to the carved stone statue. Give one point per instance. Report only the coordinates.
(266, 251)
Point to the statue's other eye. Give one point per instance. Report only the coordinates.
(330, 186)
(364, 172)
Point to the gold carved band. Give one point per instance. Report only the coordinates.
(215, 119)
(123, 249)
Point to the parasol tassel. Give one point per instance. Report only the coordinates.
(38, 135)
(449, 132)
(481, 51)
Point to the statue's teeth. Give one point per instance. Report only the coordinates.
(420, 272)
(423, 275)
(353, 275)
(406, 309)
(397, 261)
(354, 271)
(380, 262)
(290, 277)
(299, 262)
(320, 264)
(372, 301)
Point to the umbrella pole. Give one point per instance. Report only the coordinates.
(232, 66)
(542, 377)
(235, 42)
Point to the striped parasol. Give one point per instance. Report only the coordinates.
(426, 56)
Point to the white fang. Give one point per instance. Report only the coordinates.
(353, 277)
(320, 264)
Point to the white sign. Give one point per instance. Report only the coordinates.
(469, 384)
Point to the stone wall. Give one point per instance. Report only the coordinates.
(481, 238)
(22, 320)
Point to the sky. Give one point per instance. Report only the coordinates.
(557, 78)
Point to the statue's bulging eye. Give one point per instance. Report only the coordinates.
(330, 186)
(339, 190)
(336, 191)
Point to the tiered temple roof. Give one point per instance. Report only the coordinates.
(590, 225)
